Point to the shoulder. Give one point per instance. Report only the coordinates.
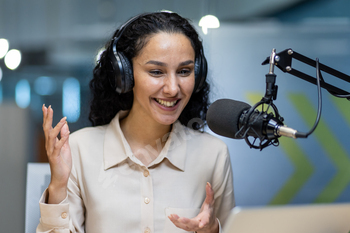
(205, 150)
(87, 135)
(87, 146)
(204, 140)
(205, 136)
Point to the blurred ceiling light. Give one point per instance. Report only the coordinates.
(166, 11)
(208, 21)
(4, 47)
(13, 59)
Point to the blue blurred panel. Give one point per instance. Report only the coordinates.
(23, 93)
(45, 85)
(71, 99)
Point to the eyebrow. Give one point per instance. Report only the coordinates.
(158, 63)
(185, 63)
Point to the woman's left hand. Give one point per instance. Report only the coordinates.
(205, 221)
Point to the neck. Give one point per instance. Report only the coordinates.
(146, 138)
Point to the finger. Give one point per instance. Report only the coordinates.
(173, 217)
(58, 146)
(204, 219)
(52, 135)
(46, 126)
(44, 109)
(49, 116)
(65, 132)
(209, 199)
(58, 128)
(65, 128)
(47, 122)
(184, 223)
(181, 225)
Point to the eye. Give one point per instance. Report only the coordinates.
(185, 72)
(156, 73)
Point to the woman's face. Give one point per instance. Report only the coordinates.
(164, 77)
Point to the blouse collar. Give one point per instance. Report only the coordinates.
(117, 149)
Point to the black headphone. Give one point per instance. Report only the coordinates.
(123, 80)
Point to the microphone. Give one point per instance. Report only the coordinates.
(236, 119)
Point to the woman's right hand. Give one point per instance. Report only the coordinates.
(58, 154)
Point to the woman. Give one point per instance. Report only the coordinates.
(144, 166)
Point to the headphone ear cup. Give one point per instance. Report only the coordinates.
(200, 71)
(123, 76)
(128, 78)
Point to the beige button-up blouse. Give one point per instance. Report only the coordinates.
(110, 190)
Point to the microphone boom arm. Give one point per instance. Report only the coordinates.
(271, 121)
(283, 61)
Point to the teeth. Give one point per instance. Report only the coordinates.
(166, 103)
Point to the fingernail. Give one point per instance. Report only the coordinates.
(209, 184)
(63, 119)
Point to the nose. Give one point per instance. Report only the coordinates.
(171, 85)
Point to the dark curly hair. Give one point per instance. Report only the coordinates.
(106, 102)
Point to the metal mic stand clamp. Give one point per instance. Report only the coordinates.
(271, 88)
(267, 137)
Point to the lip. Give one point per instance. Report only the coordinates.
(167, 108)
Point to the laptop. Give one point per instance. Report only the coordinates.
(314, 218)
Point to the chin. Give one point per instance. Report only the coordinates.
(167, 120)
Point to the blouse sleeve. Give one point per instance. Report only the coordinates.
(65, 217)
(223, 187)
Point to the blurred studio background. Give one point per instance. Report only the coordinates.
(58, 42)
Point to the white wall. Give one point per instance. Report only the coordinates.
(14, 155)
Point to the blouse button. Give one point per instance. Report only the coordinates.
(145, 173)
(147, 200)
(147, 230)
(64, 215)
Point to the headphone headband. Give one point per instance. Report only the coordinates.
(123, 80)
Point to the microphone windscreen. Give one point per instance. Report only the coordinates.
(223, 116)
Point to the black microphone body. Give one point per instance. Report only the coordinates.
(236, 119)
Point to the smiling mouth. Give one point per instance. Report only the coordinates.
(167, 103)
